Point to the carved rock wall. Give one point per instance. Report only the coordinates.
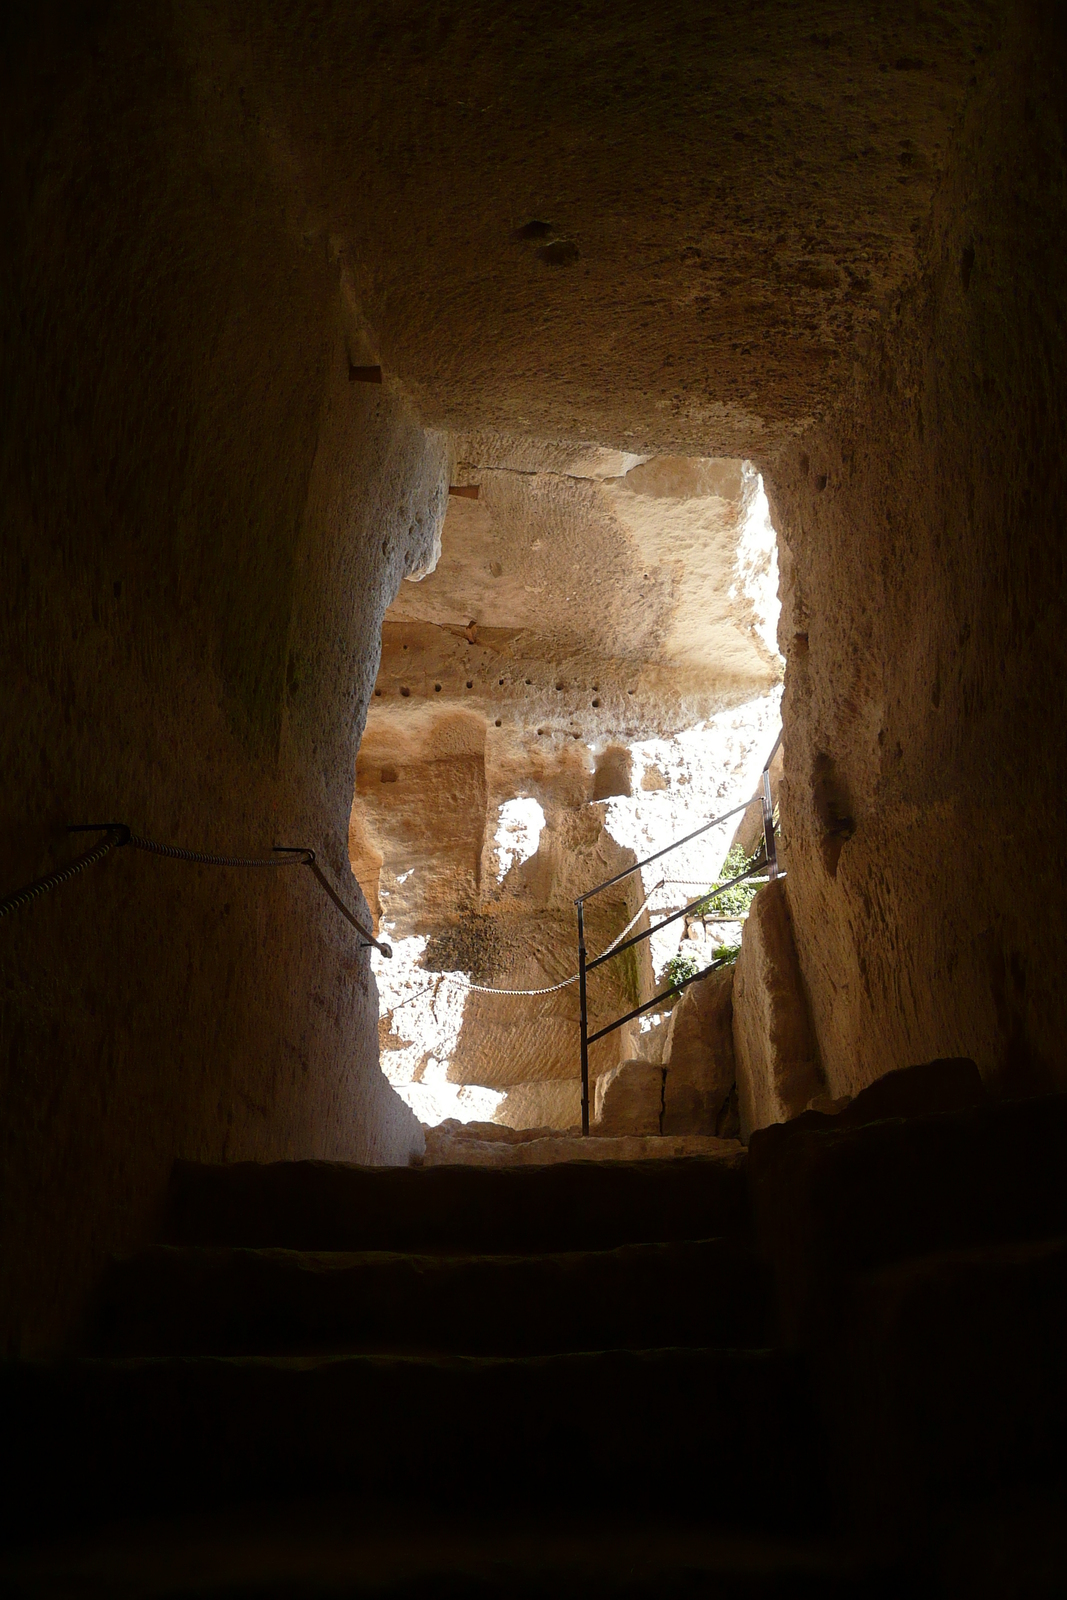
(776, 1055)
(215, 215)
(531, 710)
(204, 521)
(925, 626)
(701, 1065)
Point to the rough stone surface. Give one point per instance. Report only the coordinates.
(729, 196)
(170, 1301)
(214, 217)
(929, 1089)
(832, 1201)
(925, 625)
(555, 1104)
(629, 1099)
(439, 1134)
(204, 522)
(777, 1062)
(446, 907)
(458, 1146)
(641, 584)
(574, 1205)
(589, 670)
(699, 1057)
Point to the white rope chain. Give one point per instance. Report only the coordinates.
(484, 988)
(530, 994)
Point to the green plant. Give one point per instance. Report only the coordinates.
(737, 900)
(727, 953)
(681, 967)
(736, 860)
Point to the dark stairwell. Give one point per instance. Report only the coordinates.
(665, 1377)
(830, 245)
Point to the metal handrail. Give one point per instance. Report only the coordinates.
(762, 793)
(769, 863)
(667, 848)
(750, 872)
(674, 988)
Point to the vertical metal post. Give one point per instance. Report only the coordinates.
(769, 841)
(584, 1021)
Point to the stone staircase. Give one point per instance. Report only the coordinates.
(485, 1144)
(796, 1375)
(921, 1262)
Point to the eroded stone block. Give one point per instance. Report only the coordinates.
(700, 1057)
(629, 1098)
(778, 1070)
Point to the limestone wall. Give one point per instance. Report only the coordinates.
(925, 629)
(204, 521)
(459, 907)
(215, 214)
(595, 647)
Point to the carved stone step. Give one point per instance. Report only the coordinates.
(224, 1301)
(313, 1205)
(726, 1432)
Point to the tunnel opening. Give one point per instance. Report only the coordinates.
(258, 260)
(589, 672)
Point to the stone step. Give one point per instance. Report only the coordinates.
(829, 1202)
(953, 1365)
(727, 1433)
(319, 1205)
(174, 1300)
(474, 1150)
(349, 1548)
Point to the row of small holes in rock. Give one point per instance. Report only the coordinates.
(500, 684)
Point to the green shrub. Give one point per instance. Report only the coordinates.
(681, 967)
(736, 901)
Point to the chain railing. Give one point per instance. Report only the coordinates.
(119, 836)
(768, 864)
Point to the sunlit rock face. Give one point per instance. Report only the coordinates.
(699, 1087)
(588, 674)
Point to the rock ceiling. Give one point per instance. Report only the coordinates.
(666, 228)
